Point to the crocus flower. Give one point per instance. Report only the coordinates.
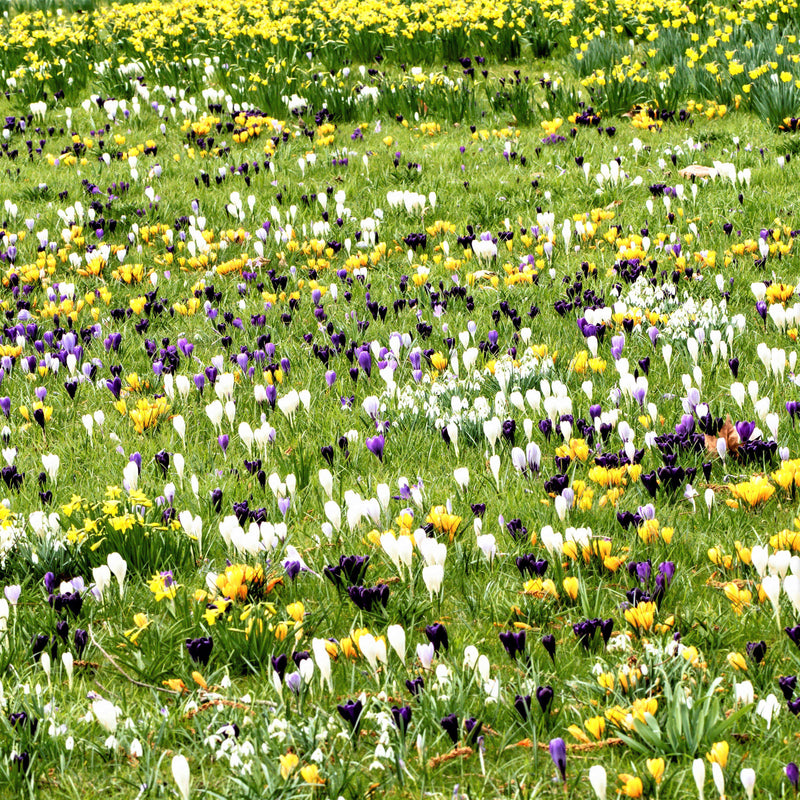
(450, 726)
(294, 682)
(437, 636)
(81, 639)
(787, 685)
(181, 775)
(13, 593)
(375, 445)
(200, 649)
(350, 712)
(748, 778)
(549, 644)
(402, 717)
(544, 696)
(558, 752)
(514, 642)
(598, 781)
(279, 664)
(523, 706)
(793, 774)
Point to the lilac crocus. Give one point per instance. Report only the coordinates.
(558, 752)
(13, 593)
(294, 682)
(793, 774)
(365, 362)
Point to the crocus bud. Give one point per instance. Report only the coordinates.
(181, 775)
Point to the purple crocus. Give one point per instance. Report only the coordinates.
(437, 636)
(549, 644)
(294, 682)
(402, 717)
(350, 712)
(522, 705)
(375, 445)
(544, 696)
(513, 642)
(200, 649)
(365, 362)
(558, 752)
(450, 726)
(793, 774)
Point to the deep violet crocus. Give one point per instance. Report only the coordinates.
(514, 642)
(350, 712)
(437, 636)
(200, 649)
(522, 704)
(549, 644)
(375, 445)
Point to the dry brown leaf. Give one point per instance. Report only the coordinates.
(727, 433)
(697, 171)
(580, 747)
(456, 752)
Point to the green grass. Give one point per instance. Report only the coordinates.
(485, 158)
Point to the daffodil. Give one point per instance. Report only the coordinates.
(163, 586)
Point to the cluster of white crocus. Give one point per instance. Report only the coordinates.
(356, 507)
(553, 541)
(45, 526)
(778, 570)
(485, 542)
(433, 554)
(179, 382)
(412, 202)
(264, 536)
(774, 359)
(260, 437)
(461, 397)
(479, 666)
(727, 171)
(115, 565)
(373, 649)
(686, 318)
(90, 420)
(289, 403)
(400, 550)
